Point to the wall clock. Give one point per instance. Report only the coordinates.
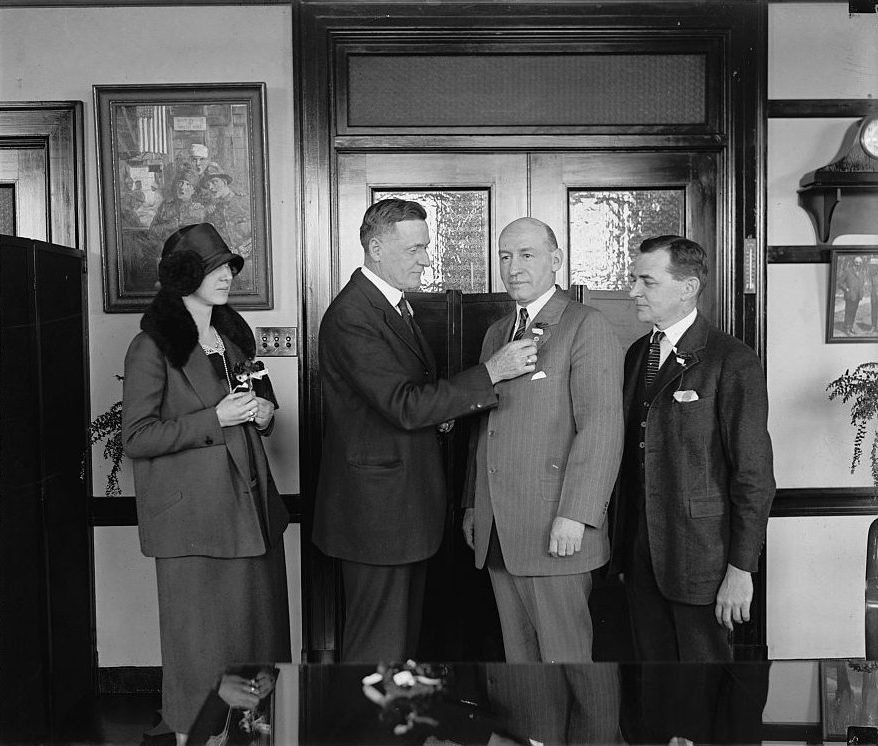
(854, 171)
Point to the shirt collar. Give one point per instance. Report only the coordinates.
(534, 307)
(392, 294)
(675, 331)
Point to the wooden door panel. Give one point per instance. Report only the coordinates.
(555, 175)
(23, 168)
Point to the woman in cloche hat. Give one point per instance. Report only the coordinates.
(207, 506)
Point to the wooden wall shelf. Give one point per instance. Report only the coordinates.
(809, 254)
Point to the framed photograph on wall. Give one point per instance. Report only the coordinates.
(848, 696)
(852, 315)
(172, 155)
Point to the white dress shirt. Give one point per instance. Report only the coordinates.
(673, 334)
(534, 307)
(392, 294)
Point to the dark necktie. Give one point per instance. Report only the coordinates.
(406, 315)
(522, 325)
(653, 358)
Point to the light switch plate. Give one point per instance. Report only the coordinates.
(276, 341)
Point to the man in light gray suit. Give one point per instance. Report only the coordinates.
(546, 458)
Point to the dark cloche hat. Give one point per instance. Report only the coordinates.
(191, 253)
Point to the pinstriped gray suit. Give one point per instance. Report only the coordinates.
(551, 448)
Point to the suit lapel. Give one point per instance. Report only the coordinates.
(426, 352)
(392, 318)
(634, 364)
(495, 338)
(668, 373)
(548, 318)
(686, 357)
(201, 376)
(235, 436)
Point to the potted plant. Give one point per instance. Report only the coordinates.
(860, 387)
(108, 426)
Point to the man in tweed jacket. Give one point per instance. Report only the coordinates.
(546, 458)
(696, 483)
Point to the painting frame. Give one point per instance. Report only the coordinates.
(852, 307)
(848, 693)
(174, 154)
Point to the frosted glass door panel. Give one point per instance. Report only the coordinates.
(460, 234)
(469, 198)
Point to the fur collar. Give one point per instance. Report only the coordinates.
(173, 330)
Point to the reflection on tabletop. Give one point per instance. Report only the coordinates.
(491, 703)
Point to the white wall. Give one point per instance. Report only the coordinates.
(815, 565)
(54, 54)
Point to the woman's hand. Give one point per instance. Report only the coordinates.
(237, 408)
(264, 412)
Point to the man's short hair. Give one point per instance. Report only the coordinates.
(381, 217)
(687, 258)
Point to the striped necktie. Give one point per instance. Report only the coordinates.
(654, 357)
(522, 325)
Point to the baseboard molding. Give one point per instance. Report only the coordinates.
(820, 501)
(122, 510)
(130, 680)
(795, 732)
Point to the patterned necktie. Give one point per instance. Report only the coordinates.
(652, 360)
(522, 325)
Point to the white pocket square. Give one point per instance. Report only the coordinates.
(686, 396)
(538, 375)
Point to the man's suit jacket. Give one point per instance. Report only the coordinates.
(708, 477)
(851, 284)
(381, 492)
(552, 445)
(192, 476)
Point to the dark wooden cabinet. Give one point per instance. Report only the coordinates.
(46, 582)
(460, 616)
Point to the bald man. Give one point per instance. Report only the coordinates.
(547, 458)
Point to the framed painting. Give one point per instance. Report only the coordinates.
(852, 315)
(173, 155)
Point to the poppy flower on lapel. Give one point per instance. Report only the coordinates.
(683, 358)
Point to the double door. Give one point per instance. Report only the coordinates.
(599, 204)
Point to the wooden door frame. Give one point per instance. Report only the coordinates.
(57, 124)
(739, 28)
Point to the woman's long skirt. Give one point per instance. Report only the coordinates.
(213, 613)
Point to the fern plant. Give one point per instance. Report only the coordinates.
(108, 425)
(861, 389)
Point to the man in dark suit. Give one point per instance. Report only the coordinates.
(546, 458)
(696, 482)
(851, 285)
(381, 501)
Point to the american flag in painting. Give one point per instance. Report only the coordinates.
(152, 124)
